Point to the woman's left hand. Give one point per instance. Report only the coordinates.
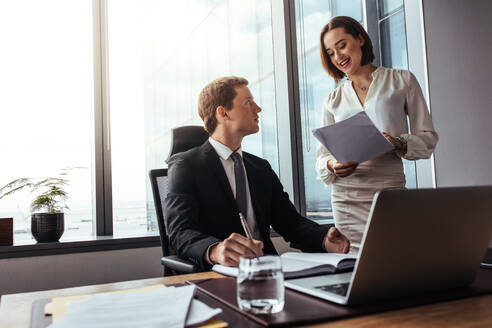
(395, 142)
(336, 242)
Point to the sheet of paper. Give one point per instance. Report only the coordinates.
(57, 308)
(225, 270)
(200, 313)
(165, 307)
(354, 139)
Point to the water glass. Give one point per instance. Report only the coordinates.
(260, 285)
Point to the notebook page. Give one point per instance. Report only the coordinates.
(294, 261)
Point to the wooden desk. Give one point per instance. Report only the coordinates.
(15, 309)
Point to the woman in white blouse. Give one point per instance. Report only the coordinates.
(388, 96)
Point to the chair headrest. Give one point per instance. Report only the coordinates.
(186, 137)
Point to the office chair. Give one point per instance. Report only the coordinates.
(182, 139)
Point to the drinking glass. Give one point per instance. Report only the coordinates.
(260, 285)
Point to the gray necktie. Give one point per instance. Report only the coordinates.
(240, 183)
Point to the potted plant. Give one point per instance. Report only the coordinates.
(47, 218)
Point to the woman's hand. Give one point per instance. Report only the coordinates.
(341, 169)
(336, 242)
(395, 142)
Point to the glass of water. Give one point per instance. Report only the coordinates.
(260, 285)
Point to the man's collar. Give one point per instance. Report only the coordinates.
(222, 150)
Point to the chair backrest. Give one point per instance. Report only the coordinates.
(158, 182)
(187, 137)
(182, 139)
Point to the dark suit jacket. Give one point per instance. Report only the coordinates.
(200, 208)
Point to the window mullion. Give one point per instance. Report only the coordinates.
(287, 100)
(417, 64)
(372, 27)
(102, 147)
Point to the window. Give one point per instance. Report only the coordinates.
(47, 105)
(100, 84)
(127, 119)
(159, 62)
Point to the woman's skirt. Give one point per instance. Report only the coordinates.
(352, 196)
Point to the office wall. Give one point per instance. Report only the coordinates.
(459, 58)
(68, 270)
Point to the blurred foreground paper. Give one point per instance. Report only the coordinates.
(354, 139)
(164, 307)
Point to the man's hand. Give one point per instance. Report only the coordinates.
(336, 242)
(228, 252)
(341, 169)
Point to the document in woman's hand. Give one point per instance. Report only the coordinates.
(355, 139)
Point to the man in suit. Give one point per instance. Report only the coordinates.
(211, 184)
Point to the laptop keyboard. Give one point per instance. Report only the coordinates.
(339, 289)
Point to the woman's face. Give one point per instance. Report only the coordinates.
(344, 51)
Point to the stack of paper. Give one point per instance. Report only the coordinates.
(163, 307)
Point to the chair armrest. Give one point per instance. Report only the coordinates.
(176, 263)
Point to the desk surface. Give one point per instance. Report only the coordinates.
(15, 309)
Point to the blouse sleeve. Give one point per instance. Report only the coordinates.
(422, 138)
(322, 154)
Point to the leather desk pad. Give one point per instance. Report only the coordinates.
(304, 309)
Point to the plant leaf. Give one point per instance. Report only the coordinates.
(16, 185)
(53, 197)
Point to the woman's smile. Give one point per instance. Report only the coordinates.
(344, 63)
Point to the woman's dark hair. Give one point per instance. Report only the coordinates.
(352, 27)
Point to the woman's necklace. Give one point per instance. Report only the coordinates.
(362, 88)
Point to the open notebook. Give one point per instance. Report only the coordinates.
(297, 265)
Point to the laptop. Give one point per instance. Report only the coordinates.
(415, 241)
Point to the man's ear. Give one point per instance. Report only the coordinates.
(221, 114)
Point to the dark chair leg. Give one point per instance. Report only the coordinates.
(166, 272)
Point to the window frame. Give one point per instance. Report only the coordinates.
(103, 209)
(417, 64)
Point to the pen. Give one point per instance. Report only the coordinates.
(246, 228)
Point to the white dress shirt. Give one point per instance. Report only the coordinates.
(393, 95)
(225, 158)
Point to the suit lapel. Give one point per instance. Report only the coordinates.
(217, 168)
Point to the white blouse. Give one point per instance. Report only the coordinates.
(392, 96)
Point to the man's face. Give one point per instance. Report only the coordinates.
(243, 116)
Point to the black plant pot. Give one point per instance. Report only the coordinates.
(47, 227)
